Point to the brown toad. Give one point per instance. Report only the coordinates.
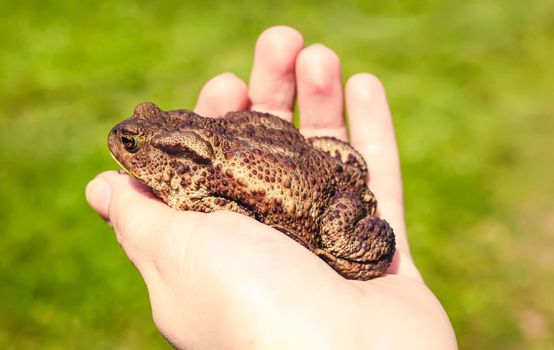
(314, 190)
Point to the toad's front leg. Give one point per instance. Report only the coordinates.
(356, 244)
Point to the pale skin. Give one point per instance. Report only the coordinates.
(225, 281)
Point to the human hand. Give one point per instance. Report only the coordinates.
(223, 280)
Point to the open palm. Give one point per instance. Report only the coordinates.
(223, 280)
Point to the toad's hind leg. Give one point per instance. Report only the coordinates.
(340, 150)
(356, 244)
(354, 161)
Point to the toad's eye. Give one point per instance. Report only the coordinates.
(130, 143)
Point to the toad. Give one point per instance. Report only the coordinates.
(312, 189)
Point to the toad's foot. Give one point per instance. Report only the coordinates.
(355, 244)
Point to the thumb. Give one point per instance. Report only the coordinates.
(138, 217)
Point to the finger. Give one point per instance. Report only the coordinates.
(318, 79)
(223, 93)
(98, 194)
(272, 81)
(137, 216)
(372, 134)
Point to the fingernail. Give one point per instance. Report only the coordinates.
(99, 194)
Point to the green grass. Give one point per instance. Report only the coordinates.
(470, 86)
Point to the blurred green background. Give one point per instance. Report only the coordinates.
(470, 86)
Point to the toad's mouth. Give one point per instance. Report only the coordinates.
(124, 170)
